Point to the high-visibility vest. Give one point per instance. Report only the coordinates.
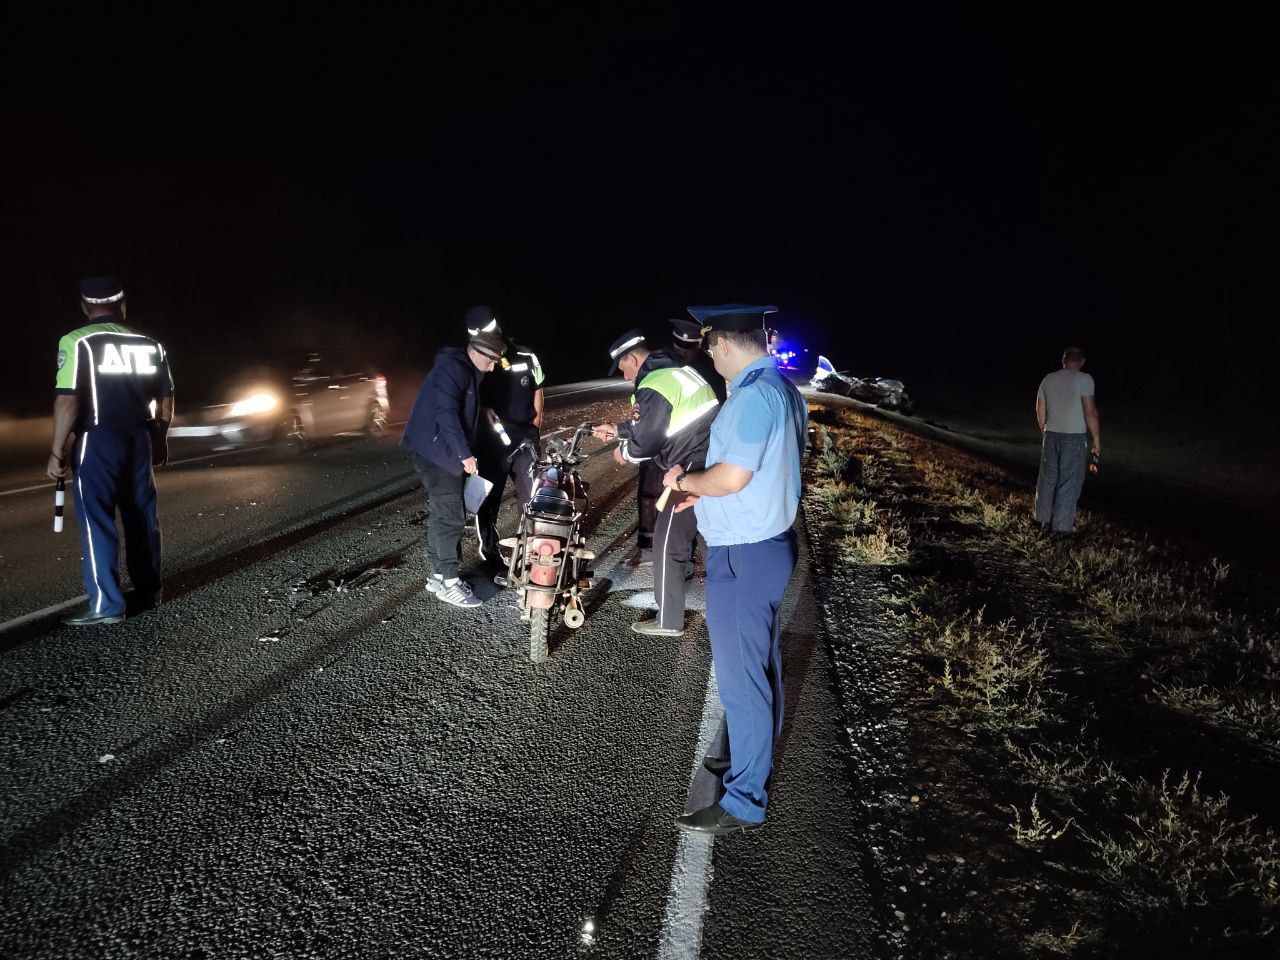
(685, 389)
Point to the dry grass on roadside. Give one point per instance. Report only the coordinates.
(1168, 854)
(872, 534)
(998, 672)
(1178, 848)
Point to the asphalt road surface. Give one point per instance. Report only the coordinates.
(274, 764)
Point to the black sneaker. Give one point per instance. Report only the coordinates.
(639, 557)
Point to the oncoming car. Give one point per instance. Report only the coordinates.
(291, 405)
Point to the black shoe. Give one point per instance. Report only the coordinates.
(715, 820)
(718, 766)
(87, 618)
(638, 557)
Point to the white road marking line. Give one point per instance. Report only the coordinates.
(172, 463)
(691, 874)
(37, 614)
(38, 486)
(570, 393)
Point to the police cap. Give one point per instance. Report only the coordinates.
(99, 290)
(731, 316)
(480, 319)
(622, 346)
(686, 332)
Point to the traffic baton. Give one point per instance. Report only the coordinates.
(501, 431)
(59, 498)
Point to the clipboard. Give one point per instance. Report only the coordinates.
(474, 491)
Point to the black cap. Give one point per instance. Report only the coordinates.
(686, 332)
(480, 319)
(100, 290)
(731, 316)
(490, 343)
(622, 346)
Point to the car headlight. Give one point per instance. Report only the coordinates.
(257, 403)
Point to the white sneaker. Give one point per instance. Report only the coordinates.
(457, 593)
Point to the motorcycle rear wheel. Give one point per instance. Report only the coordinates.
(539, 630)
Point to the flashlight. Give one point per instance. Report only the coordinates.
(59, 498)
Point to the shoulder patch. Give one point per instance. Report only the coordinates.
(751, 378)
(62, 359)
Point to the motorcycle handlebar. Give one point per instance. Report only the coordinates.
(568, 453)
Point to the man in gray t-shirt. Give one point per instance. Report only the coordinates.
(1067, 414)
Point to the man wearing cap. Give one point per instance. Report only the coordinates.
(441, 434)
(648, 481)
(746, 500)
(687, 343)
(511, 401)
(672, 410)
(114, 399)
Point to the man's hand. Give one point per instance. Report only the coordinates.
(689, 500)
(1096, 450)
(605, 431)
(159, 442)
(669, 478)
(618, 458)
(58, 469)
(490, 416)
(469, 465)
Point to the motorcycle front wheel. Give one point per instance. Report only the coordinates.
(539, 630)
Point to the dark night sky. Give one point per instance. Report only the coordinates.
(925, 197)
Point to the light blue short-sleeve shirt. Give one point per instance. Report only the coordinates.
(761, 426)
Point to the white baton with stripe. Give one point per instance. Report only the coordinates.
(59, 498)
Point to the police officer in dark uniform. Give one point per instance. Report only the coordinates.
(114, 401)
(648, 481)
(512, 399)
(687, 342)
(670, 426)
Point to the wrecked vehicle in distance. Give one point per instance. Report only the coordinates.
(886, 394)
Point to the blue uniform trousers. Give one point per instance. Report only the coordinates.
(113, 470)
(745, 584)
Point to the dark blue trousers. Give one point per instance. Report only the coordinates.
(113, 471)
(745, 584)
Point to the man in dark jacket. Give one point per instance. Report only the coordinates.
(441, 435)
(670, 426)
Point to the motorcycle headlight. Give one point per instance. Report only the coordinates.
(257, 403)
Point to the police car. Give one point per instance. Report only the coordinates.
(291, 405)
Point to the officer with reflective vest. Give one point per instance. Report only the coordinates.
(113, 404)
(672, 410)
(746, 501)
(512, 400)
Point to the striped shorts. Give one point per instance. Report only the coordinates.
(1064, 460)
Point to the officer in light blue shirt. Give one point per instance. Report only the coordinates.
(746, 500)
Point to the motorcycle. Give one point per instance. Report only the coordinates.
(547, 559)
